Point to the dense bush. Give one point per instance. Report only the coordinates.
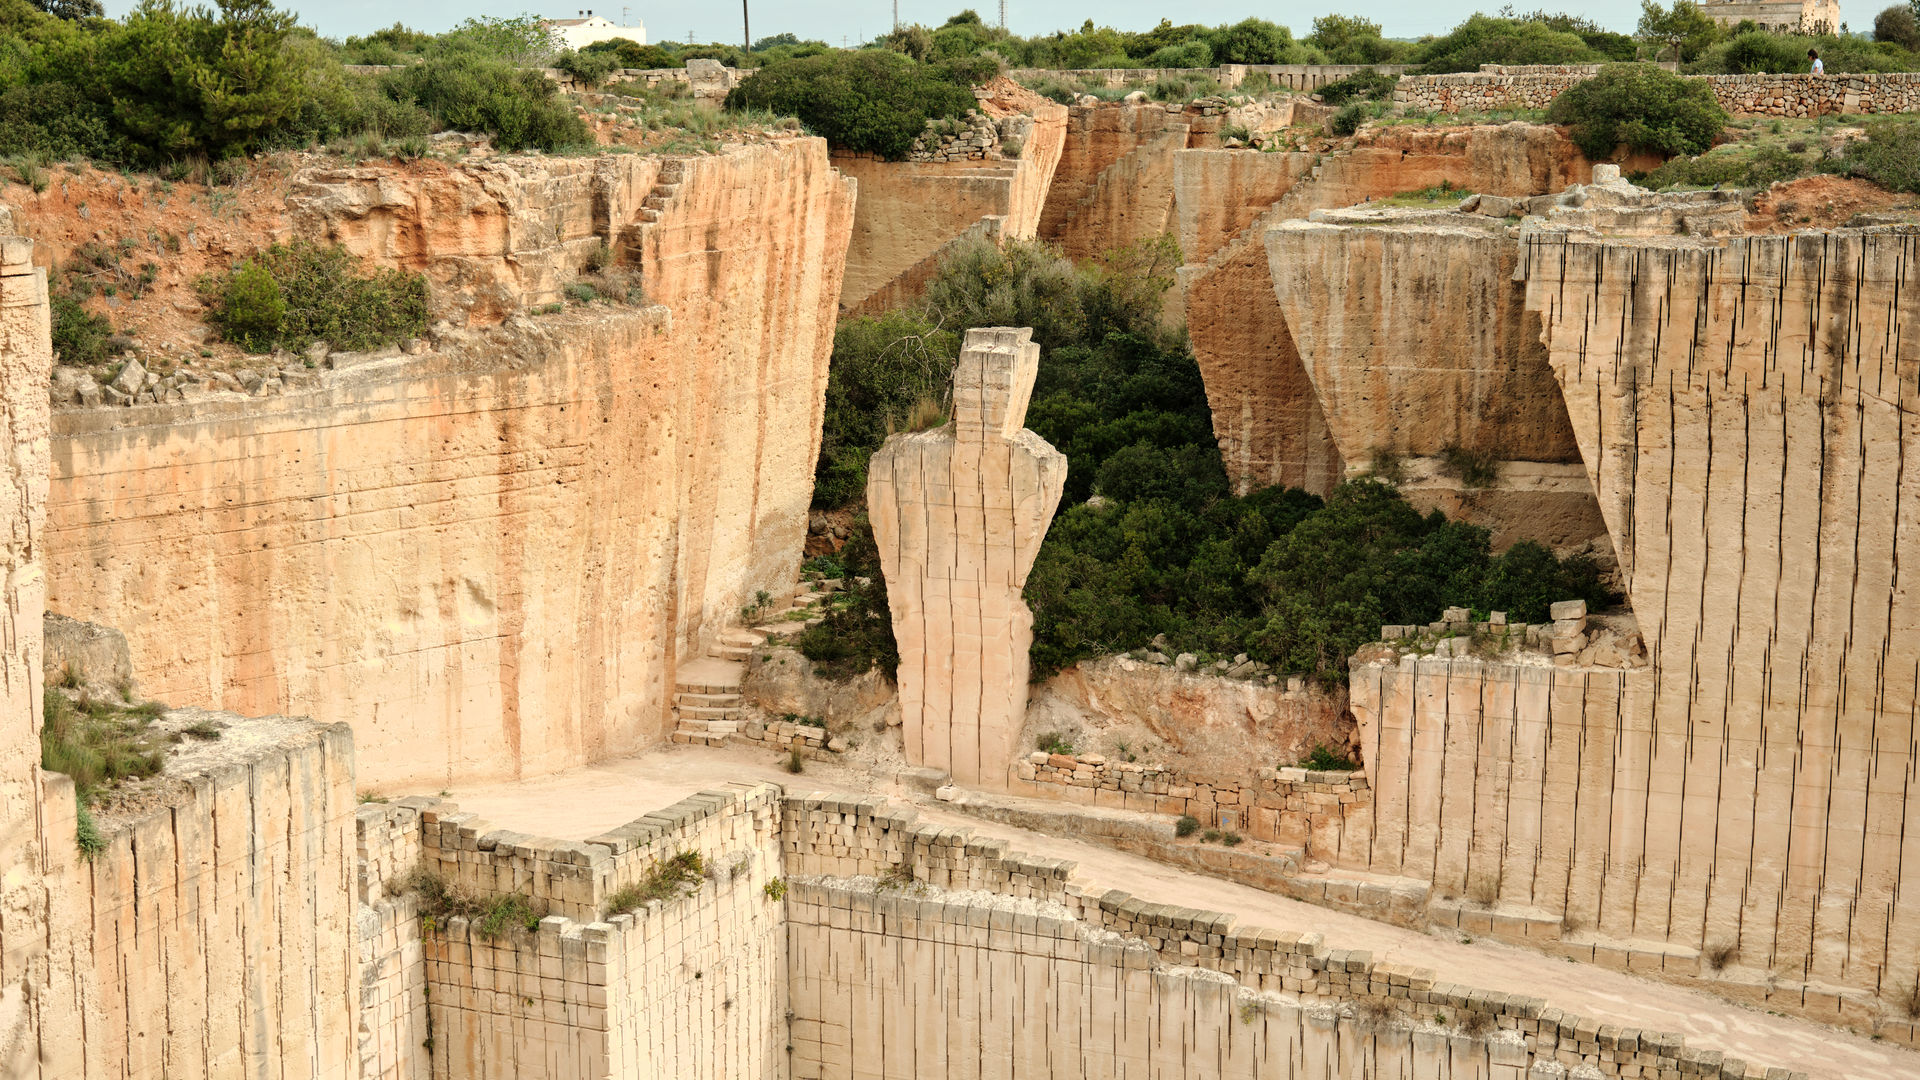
(587, 68)
(631, 54)
(1641, 105)
(882, 368)
(1485, 39)
(1758, 52)
(1681, 32)
(1347, 39)
(467, 91)
(293, 295)
(1889, 155)
(1898, 25)
(1367, 85)
(79, 336)
(874, 100)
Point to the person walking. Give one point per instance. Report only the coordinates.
(1818, 67)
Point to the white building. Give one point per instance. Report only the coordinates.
(578, 33)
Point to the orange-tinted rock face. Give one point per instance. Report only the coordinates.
(1114, 184)
(489, 558)
(1271, 427)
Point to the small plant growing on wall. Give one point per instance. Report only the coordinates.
(775, 889)
(1324, 759)
(1054, 743)
(1186, 826)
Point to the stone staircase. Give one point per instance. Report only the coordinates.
(707, 707)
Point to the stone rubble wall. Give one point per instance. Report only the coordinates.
(1288, 805)
(1492, 88)
(393, 1028)
(1302, 77)
(489, 557)
(215, 934)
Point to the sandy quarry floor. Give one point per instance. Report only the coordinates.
(584, 802)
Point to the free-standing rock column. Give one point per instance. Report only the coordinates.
(959, 513)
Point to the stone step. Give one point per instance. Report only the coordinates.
(655, 202)
(709, 675)
(742, 638)
(729, 652)
(702, 712)
(808, 599)
(709, 701)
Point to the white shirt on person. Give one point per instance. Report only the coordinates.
(1818, 67)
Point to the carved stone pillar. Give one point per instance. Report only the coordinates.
(959, 513)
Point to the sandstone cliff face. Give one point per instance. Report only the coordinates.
(1747, 411)
(1416, 340)
(910, 214)
(25, 355)
(1266, 414)
(488, 559)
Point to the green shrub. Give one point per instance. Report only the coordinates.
(1757, 51)
(1350, 117)
(79, 336)
(1186, 825)
(871, 100)
(589, 69)
(99, 744)
(293, 295)
(1473, 468)
(1888, 156)
(631, 54)
(667, 879)
(1053, 742)
(253, 308)
(1642, 106)
(856, 635)
(469, 91)
(1347, 39)
(1368, 85)
(1898, 25)
(86, 834)
(1324, 759)
(1485, 39)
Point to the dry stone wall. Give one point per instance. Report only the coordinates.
(1495, 88)
(491, 557)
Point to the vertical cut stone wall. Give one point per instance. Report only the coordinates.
(25, 357)
(958, 513)
(213, 935)
(489, 559)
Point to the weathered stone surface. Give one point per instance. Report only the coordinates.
(26, 355)
(489, 558)
(1418, 346)
(1266, 413)
(959, 513)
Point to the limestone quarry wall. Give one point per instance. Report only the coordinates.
(213, 935)
(1267, 415)
(1114, 183)
(693, 986)
(489, 558)
(27, 799)
(1417, 341)
(1746, 409)
(919, 951)
(911, 213)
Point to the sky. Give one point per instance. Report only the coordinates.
(857, 20)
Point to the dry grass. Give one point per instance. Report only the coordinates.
(1720, 955)
(441, 901)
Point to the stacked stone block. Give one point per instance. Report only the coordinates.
(842, 837)
(1501, 88)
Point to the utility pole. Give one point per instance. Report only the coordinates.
(746, 29)
(1003, 14)
(896, 14)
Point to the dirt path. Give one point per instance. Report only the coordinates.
(584, 802)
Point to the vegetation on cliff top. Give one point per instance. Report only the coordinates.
(292, 295)
(1150, 539)
(874, 100)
